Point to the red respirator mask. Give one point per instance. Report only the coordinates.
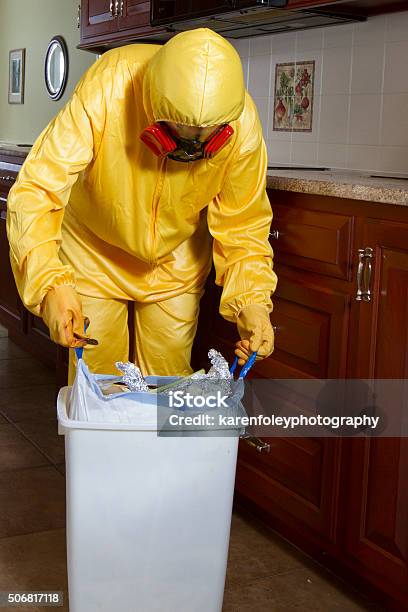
(165, 143)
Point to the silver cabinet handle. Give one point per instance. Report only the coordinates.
(122, 3)
(274, 234)
(364, 270)
(259, 445)
(79, 16)
(7, 177)
(114, 8)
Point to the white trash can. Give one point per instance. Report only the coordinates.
(148, 517)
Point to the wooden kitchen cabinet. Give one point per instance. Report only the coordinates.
(382, 322)
(24, 328)
(344, 501)
(135, 14)
(318, 317)
(377, 469)
(11, 311)
(376, 513)
(297, 483)
(10, 306)
(97, 17)
(110, 23)
(108, 16)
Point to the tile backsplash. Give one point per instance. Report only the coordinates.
(360, 111)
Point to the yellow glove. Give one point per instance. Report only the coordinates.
(256, 332)
(61, 310)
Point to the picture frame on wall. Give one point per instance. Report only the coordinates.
(294, 96)
(16, 76)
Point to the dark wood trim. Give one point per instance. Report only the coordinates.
(100, 44)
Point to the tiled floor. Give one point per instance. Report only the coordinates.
(264, 572)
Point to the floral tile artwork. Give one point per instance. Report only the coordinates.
(293, 101)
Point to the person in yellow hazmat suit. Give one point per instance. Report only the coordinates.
(155, 167)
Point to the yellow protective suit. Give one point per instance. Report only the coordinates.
(93, 207)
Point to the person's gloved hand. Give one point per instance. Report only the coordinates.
(61, 311)
(256, 332)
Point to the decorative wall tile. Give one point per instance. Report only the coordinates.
(312, 136)
(279, 58)
(315, 55)
(360, 102)
(293, 100)
(278, 135)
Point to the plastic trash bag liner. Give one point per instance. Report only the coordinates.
(152, 411)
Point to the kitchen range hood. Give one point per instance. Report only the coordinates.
(243, 18)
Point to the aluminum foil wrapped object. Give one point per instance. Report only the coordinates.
(132, 376)
(218, 378)
(219, 366)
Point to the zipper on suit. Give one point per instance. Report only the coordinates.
(155, 206)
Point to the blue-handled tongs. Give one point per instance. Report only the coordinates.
(245, 368)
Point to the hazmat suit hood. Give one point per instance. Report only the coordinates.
(195, 79)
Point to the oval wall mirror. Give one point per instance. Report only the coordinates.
(56, 67)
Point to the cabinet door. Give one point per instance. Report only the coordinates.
(296, 484)
(97, 17)
(381, 324)
(11, 308)
(377, 516)
(313, 240)
(11, 312)
(311, 332)
(134, 14)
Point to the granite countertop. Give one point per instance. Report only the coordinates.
(341, 184)
(17, 150)
(335, 183)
